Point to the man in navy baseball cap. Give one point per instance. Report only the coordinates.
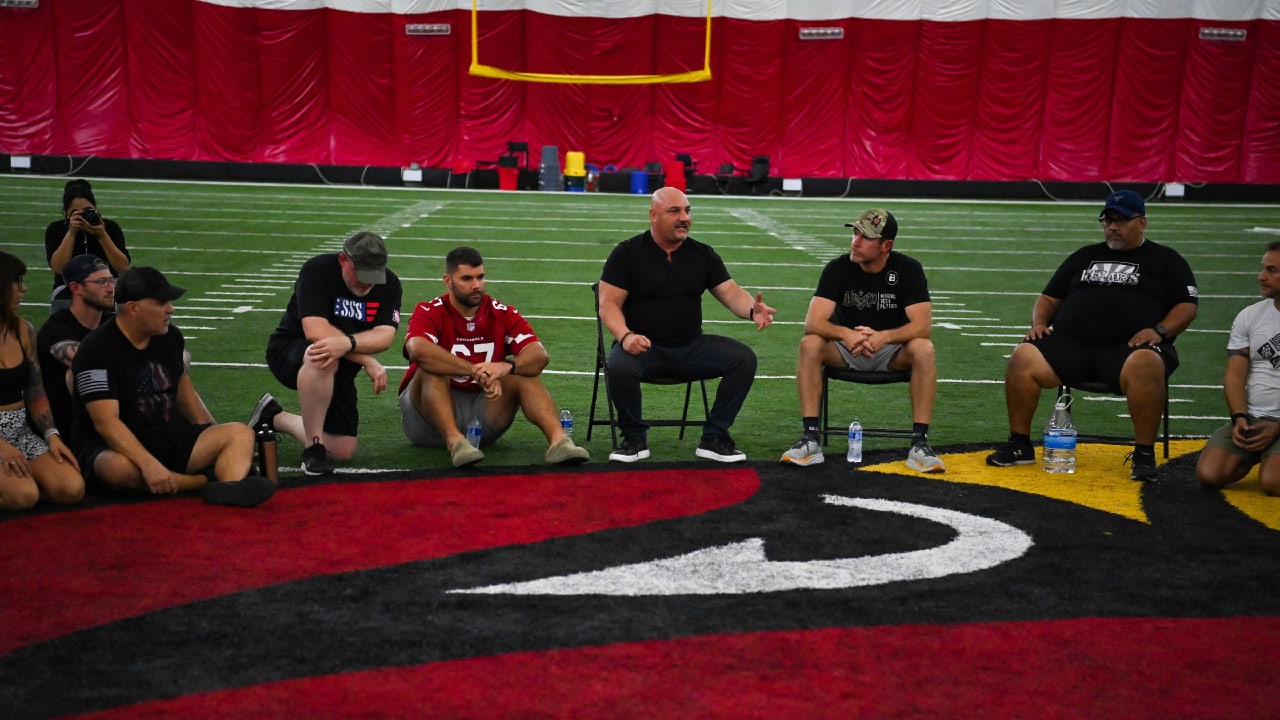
(1108, 315)
(1126, 202)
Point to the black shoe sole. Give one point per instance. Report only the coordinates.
(251, 491)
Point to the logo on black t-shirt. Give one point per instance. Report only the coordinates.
(1111, 273)
(350, 309)
(870, 300)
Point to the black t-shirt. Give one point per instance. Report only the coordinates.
(60, 326)
(876, 300)
(1109, 295)
(664, 298)
(83, 244)
(144, 382)
(321, 292)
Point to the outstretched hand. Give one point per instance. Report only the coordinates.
(760, 313)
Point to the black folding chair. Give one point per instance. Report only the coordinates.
(602, 370)
(1102, 389)
(861, 377)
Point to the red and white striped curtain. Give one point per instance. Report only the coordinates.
(935, 90)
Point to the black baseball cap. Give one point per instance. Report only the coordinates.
(141, 283)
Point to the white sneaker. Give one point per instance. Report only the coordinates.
(922, 458)
(806, 451)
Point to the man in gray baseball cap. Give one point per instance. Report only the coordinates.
(345, 310)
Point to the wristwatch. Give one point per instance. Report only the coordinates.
(1162, 331)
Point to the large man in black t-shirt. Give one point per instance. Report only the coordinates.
(344, 311)
(140, 425)
(871, 312)
(651, 300)
(1109, 314)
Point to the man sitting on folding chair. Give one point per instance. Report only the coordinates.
(871, 312)
(651, 301)
(1109, 314)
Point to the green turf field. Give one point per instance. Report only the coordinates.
(237, 249)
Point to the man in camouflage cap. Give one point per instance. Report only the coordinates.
(871, 312)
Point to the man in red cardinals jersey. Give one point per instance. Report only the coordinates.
(472, 357)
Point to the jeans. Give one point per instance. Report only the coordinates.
(708, 356)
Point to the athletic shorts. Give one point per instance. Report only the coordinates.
(285, 357)
(1074, 362)
(17, 432)
(876, 363)
(1221, 439)
(172, 446)
(466, 405)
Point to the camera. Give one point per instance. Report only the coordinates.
(91, 216)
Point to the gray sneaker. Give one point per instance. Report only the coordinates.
(566, 452)
(922, 458)
(805, 452)
(462, 454)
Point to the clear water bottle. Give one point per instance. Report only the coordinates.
(1060, 439)
(855, 442)
(566, 421)
(473, 432)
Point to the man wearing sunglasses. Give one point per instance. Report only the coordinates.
(93, 300)
(1109, 314)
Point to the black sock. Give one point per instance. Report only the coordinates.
(919, 433)
(1019, 438)
(811, 428)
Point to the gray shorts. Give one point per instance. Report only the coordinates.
(1221, 439)
(466, 405)
(876, 363)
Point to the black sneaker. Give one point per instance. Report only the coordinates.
(252, 490)
(315, 459)
(721, 449)
(1142, 465)
(264, 414)
(633, 449)
(1014, 452)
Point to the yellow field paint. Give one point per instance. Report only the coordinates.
(1101, 480)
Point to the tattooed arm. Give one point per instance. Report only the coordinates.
(37, 402)
(64, 351)
(38, 410)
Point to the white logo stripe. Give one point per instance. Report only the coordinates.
(742, 567)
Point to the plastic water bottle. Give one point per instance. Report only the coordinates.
(566, 421)
(1060, 439)
(473, 432)
(855, 442)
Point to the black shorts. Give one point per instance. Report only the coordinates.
(285, 358)
(1075, 362)
(172, 446)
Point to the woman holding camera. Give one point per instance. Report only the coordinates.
(34, 461)
(83, 230)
